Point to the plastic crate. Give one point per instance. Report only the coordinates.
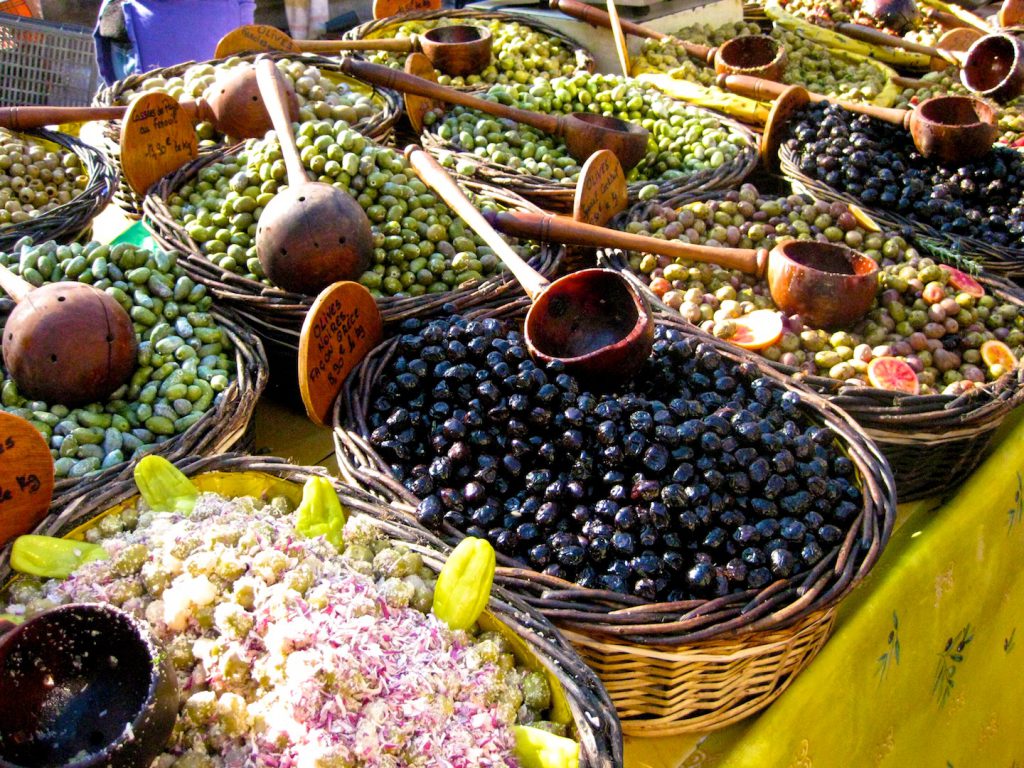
(45, 63)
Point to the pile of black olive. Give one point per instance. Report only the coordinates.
(698, 479)
(878, 164)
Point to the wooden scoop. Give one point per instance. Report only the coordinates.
(310, 234)
(950, 129)
(458, 50)
(759, 55)
(84, 684)
(594, 321)
(829, 285)
(155, 135)
(66, 342)
(583, 132)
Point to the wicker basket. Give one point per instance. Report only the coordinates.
(384, 28)
(277, 315)
(378, 127)
(552, 196)
(932, 442)
(674, 667)
(68, 221)
(1008, 262)
(592, 713)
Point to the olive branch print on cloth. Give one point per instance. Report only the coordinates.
(949, 659)
(1015, 513)
(893, 652)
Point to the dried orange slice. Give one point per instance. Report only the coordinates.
(757, 330)
(963, 282)
(995, 352)
(893, 374)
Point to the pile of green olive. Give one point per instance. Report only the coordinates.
(420, 246)
(320, 95)
(810, 64)
(921, 315)
(519, 53)
(683, 140)
(185, 359)
(35, 177)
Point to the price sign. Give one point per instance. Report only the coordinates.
(341, 327)
(418, 106)
(26, 477)
(157, 138)
(601, 189)
(254, 37)
(384, 8)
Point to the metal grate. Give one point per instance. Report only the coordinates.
(45, 63)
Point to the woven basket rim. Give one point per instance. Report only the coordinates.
(68, 220)
(554, 196)
(275, 306)
(626, 618)
(592, 710)
(886, 415)
(379, 126)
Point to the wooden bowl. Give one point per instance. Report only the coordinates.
(458, 50)
(954, 129)
(755, 55)
(994, 67)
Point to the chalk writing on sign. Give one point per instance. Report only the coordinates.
(602, 189)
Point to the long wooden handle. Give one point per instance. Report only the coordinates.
(909, 82)
(15, 287)
(26, 118)
(393, 44)
(767, 90)
(275, 99)
(877, 37)
(438, 179)
(562, 229)
(406, 83)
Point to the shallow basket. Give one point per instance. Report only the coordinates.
(932, 442)
(69, 220)
(558, 198)
(1007, 262)
(379, 127)
(378, 28)
(234, 475)
(224, 426)
(674, 667)
(277, 315)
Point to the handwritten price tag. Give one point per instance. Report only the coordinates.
(254, 37)
(341, 327)
(157, 138)
(26, 476)
(601, 190)
(384, 8)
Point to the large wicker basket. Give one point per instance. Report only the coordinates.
(592, 712)
(674, 667)
(386, 26)
(276, 314)
(379, 126)
(556, 197)
(73, 218)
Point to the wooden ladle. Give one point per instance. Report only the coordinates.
(593, 321)
(829, 285)
(583, 132)
(457, 50)
(66, 342)
(311, 234)
(950, 129)
(84, 684)
(759, 55)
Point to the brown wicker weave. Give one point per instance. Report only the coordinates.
(1008, 262)
(277, 315)
(770, 627)
(66, 222)
(378, 27)
(594, 718)
(378, 127)
(558, 198)
(932, 442)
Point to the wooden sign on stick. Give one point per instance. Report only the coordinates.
(26, 476)
(157, 138)
(601, 189)
(254, 38)
(384, 8)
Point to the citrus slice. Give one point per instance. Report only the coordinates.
(963, 282)
(994, 352)
(757, 330)
(893, 374)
